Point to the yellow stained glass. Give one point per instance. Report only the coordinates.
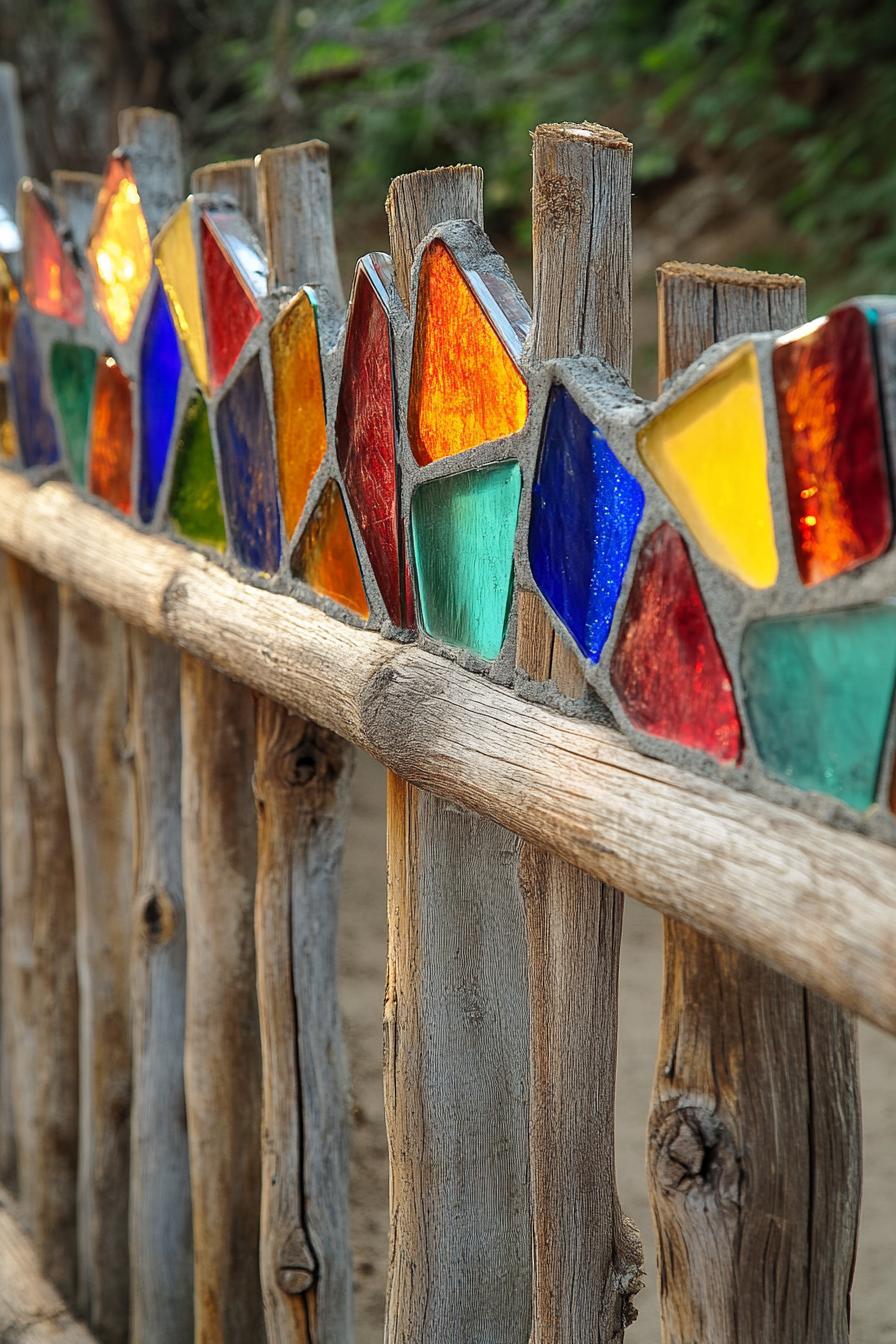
(176, 260)
(299, 410)
(9, 297)
(119, 251)
(708, 451)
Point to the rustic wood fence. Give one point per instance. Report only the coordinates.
(176, 739)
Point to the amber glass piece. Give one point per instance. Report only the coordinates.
(466, 387)
(326, 558)
(176, 260)
(119, 251)
(231, 310)
(9, 297)
(832, 441)
(51, 281)
(112, 437)
(8, 448)
(299, 408)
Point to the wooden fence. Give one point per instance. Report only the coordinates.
(187, 663)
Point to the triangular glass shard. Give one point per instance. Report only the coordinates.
(326, 558)
(50, 280)
(667, 667)
(119, 251)
(299, 410)
(586, 508)
(176, 259)
(241, 247)
(195, 503)
(9, 297)
(35, 430)
(466, 387)
(72, 373)
(160, 369)
(112, 436)
(231, 311)
(247, 471)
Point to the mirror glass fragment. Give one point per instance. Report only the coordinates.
(231, 311)
(326, 558)
(160, 368)
(586, 508)
(299, 409)
(832, 442)
(9, 297)
(72, 373)
(50, 280)
(247, 471)
(119, 251)
(194, 505)
(667, 668)
(708, 452)
(819, 689)
(466, 387)
(176, 260)
(35, 428)
(463, 529)
(111, 439)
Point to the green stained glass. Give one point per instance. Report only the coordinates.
(72, 370)
(195, 506)
(463, 530)
(819, 690)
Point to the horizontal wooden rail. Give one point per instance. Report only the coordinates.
(815, 903)
(31, 1310)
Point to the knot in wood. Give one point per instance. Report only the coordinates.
(158, 917)
(694, 1155)
(295, 1279)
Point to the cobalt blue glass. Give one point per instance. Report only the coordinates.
(247, 471)
(585, 512)
(35, 428)
(160, 366)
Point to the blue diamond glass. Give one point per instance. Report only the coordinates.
(160, 366)
(247, 471)
(36, 430)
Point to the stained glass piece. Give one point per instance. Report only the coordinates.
(9, 297)
(35, 430)
(160, 369)
(8, 445)
(232, 312)
(51, 282)
(833, 444)
(819, 689)
(72, 372)
(708, 452)
(112, 436)
(195, 503)
(586, 508)
(119, 251)
(365, 438)
(247, 471)
(667, 667)
(463, 529)
(299, 409)
(243, 250)
(326, 558)
(176, 260)
(466, 387)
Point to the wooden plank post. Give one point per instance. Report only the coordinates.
(456, 1018)
(302, 792)
(16, 949)
(586, 1255)
(754, 1144)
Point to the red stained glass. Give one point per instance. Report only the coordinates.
(231, 312)
(667, 668)
(112, 439)
(365, 438)
(51, 281)
(833, 445)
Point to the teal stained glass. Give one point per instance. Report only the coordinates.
(463, 529)
(72, 369)
(819, 690)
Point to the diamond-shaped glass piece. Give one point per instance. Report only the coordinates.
(119, 251)
(72, 373)
(247, 471)
(299, 410)
(176, 259)
(194, 506)
(35, 430)
(231, 310)
(160, 369)
(112, 436)
(325, 557)
(50, 280)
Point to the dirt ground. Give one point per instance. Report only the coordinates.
(362, 969)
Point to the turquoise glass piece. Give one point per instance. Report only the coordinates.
(585, 512)
(463, 530)
(819, 690)
(160, 366)
(248, 476)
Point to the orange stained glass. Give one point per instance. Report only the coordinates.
(51, 281)
(8, 447)
(9, 297)
(326, 558)
(112, 437)
(299, 409)
(119, 251)
(466, 387)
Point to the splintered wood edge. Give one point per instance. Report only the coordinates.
(816, 903)
(700, 273)
(422, 176)
(603, 137)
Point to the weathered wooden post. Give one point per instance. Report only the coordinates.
(754, 1146)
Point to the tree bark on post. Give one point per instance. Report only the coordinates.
(754, 1144)
(456, 1028)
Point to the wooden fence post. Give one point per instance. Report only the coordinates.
(586, 1255)
(456, 1020)
(754, 1143)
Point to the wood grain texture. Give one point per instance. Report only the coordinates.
(754, 1147)
(31, 1310)
(222, 1064)
(296, 204)
(302, 777)
(735, 866)
(16, 948)
(92, 715)
(234, 178)
(48, 1163)
(160, 1219)
(417, 202)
